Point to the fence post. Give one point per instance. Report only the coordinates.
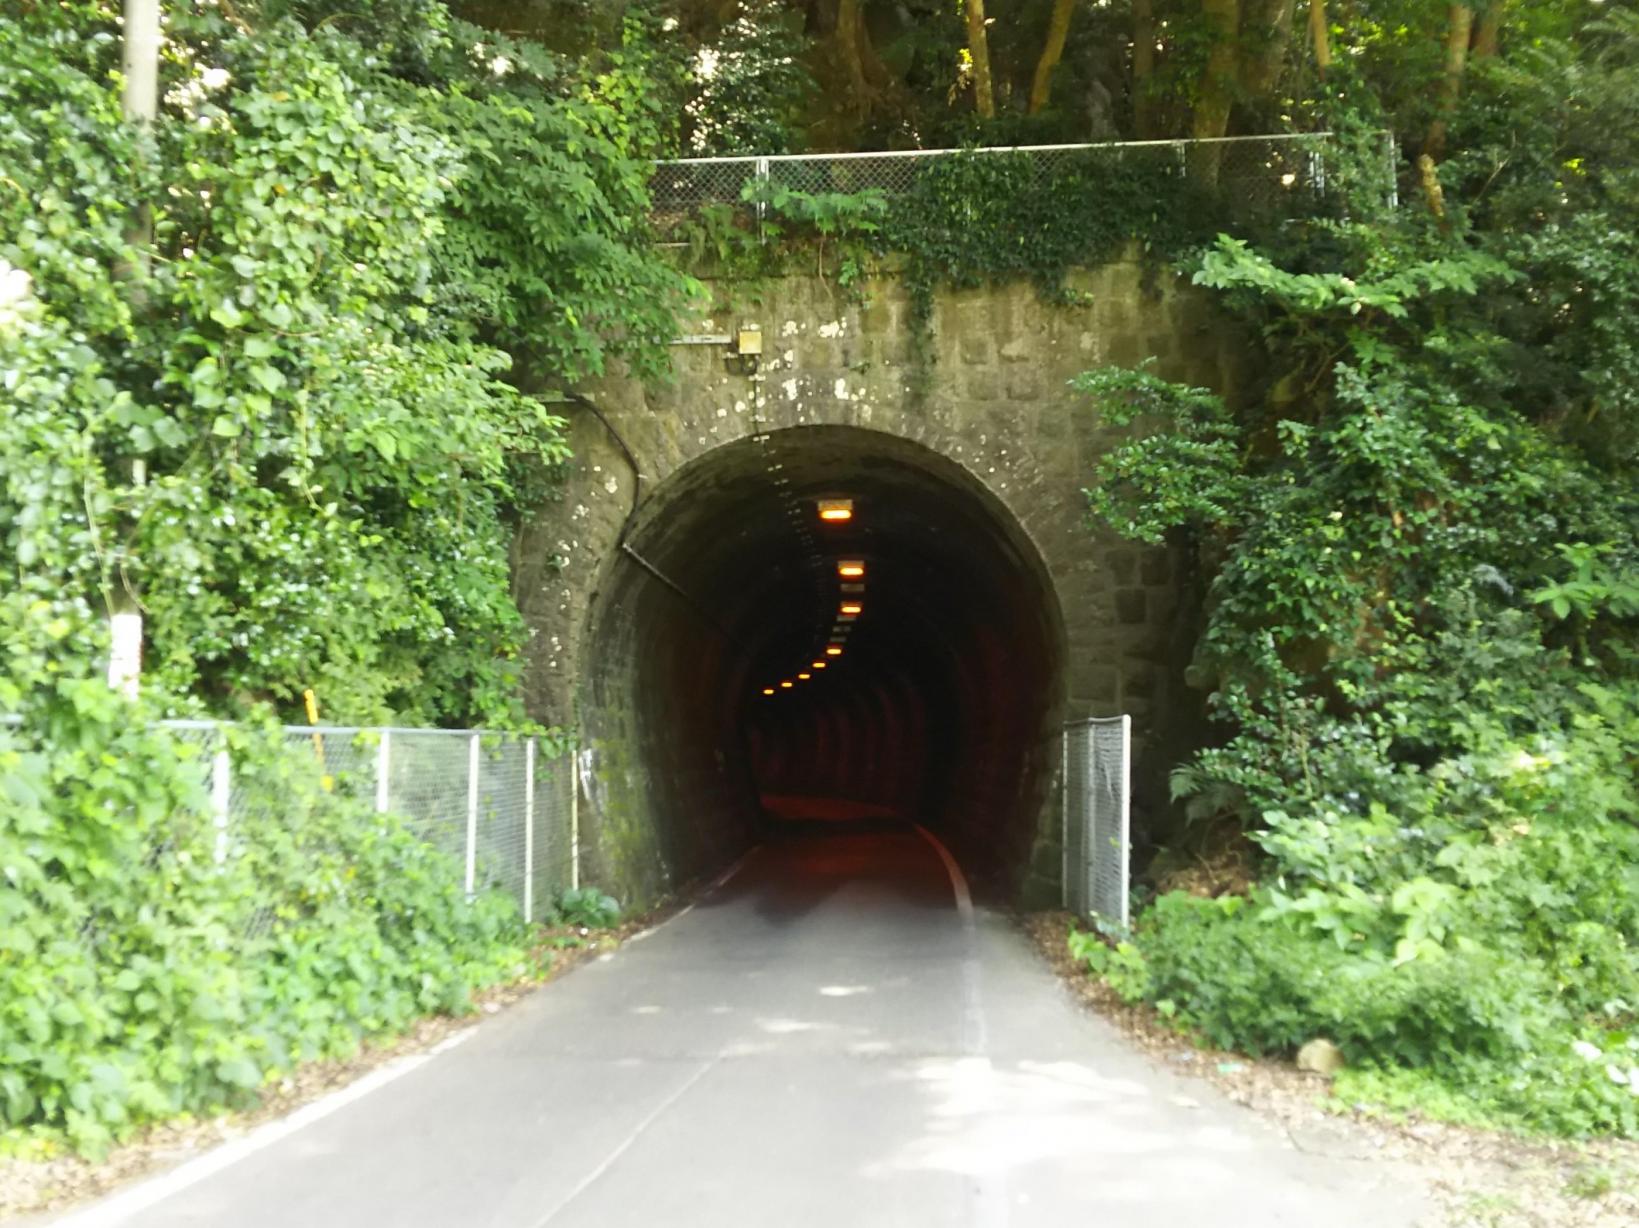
(221, 795)
(472, 814)
(574, 820)
(384, 767)
(761, 172)
(1125, 835)
(529, 831)
(1064, 809)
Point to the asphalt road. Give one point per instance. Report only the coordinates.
(827, 1039)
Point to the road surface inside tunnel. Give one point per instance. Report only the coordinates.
(830, 1037)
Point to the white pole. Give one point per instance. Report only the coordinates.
(139, 103)
(221, 797)
(1064, 811)
(140, 61)
(529, 831)
(125, 650)
(574, 820)
(472, 814)
(384, 768)
(1126, 812)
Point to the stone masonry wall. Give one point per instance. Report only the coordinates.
(993, 399)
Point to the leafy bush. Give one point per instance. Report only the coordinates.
(287, 425)
(1421, 633)
(146, 969)
(589, 907)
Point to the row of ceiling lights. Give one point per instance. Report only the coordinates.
(851, 573)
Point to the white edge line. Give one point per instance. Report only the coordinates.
(716, 884)
(625, 1145)
(120, 1207)
(958, 881)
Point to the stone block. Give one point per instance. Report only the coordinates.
(1137, 680)
(981, 384)
(1124, 350)
(1122, 565)
(1131, 607)
(1024, 383)
(1099, 683)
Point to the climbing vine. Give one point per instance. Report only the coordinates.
(287, 425)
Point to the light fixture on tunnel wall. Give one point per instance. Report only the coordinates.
(818, 665)
(833, 650)
(850, 569)
(852, 588)
(787, 684)
(851, 609)
(804, 677)
(835, 511)
(768, 690)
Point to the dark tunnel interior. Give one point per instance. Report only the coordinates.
(934, 703)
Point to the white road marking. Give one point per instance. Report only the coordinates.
(990, 1207)
(609, 1160)
(122, 1206)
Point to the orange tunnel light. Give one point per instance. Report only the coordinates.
(768, 690)
(851, 609)
(788, 684)
(833, 650)
(851, 568)
(804, 677)
(817, 665)
(835, 511)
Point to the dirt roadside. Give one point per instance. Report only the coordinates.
(1482, 1178)
(50, 1183)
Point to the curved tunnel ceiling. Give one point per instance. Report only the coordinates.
(938, 707)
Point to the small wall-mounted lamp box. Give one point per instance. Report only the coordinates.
(748, 340)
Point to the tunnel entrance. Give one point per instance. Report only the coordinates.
(730, 684)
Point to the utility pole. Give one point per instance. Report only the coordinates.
(139, 101)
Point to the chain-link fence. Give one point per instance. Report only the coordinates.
(1269, 176)
(1097, 806)
(503, 807)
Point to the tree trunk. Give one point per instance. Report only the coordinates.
(1058, 29)
(1459, 33)
(978, 46)
(1217, 90)
(851, 55)
(1264, 37)
(1143, 68)
(1488, 33)
(1320, 36)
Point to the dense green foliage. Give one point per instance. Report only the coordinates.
(261, 376)
(140, 977)
(283, 425)
(1422, 628)
(267, 372)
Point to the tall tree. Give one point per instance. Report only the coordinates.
(1058, 29)
(978, 45)
(1459, 33)
(1143, 68)
(1319, 36)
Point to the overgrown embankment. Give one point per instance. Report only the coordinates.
(1422, 626)
(256, 382)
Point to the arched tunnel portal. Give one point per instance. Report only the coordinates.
(728, 687)
(681, 569)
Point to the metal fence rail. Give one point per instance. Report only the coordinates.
(1280, 175)
(503, 809)
(1097, 817)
